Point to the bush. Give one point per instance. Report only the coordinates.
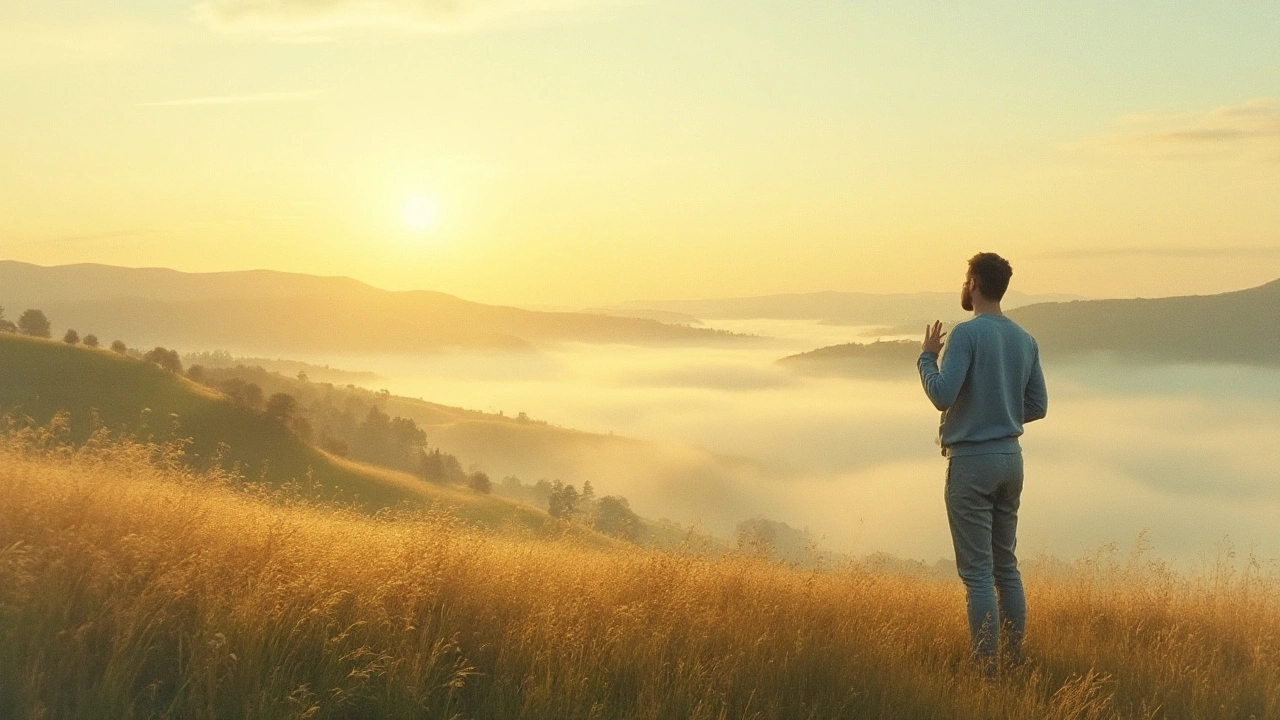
(71, 338)
(91, 341)
(118, 346)
(480, 482)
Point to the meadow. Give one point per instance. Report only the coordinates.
(132, 586)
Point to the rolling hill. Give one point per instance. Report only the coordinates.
(268, 311)
(39, 378)
(1234, 327)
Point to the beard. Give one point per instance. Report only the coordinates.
(966, 299)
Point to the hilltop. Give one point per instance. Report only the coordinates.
(40, 378)
(269, 311)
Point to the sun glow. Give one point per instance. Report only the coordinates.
(420, 213)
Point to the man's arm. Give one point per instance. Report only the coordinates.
(1035, 400)
(942, 385)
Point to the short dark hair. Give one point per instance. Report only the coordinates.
(992, 273)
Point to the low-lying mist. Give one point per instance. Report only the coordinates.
(1188, 455)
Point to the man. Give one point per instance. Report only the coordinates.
(989, 385)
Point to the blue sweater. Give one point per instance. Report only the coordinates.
(990, 383)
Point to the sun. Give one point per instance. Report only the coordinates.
(420, 213)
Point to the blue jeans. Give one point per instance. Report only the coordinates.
(982, 493)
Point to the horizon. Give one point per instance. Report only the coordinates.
(588, 306)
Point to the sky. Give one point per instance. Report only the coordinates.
(580, 152)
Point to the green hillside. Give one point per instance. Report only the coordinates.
(39, 378)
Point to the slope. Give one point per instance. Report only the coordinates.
(39, 378)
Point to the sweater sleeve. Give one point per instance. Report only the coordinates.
(942, 384)
(1035, 400)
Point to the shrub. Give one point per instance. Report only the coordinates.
(480, 482)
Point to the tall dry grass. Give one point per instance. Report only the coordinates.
(131, 587)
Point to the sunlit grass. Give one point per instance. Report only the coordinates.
(133, 587)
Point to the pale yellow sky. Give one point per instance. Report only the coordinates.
(573, 152)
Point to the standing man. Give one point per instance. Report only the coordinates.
(988, 386)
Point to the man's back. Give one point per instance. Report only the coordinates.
(989, 384)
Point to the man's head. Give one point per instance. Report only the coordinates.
(988, 276)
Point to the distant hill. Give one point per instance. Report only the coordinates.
(895, 359)
(268, 311)
(1235, 327)
(39, 378)
(835, 308)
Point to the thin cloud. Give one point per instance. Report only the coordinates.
(310, 16)
(1165, 252)
(1249, 128)
(235, 99)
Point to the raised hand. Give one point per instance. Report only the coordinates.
(933, 338)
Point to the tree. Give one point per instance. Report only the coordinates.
(91, 341)
(34, 323)
(195, 372)
(71, 338)
(480, 482)
(613, 516)
(5, 325)
(118, 346)
(166, 359)
(439, 467)
(242, 393)
(563, 502)
(282, 407)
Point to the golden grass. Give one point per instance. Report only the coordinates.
(131, 587)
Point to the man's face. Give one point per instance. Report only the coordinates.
(966, 294)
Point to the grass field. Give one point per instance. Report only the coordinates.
(134, 587)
